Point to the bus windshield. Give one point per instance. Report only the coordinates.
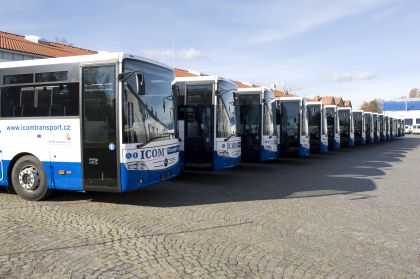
(344, 116)
(150, 116)
(330, 121)
(314, 120)
(358, 122)
(226, 110)
(291, 120)
(269, 114)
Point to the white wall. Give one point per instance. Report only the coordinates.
(409, 114)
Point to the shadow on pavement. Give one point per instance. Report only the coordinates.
(337, 172)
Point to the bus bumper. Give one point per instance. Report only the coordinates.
(225, 162)
(136, 179)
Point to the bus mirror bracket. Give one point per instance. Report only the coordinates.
(141, 89)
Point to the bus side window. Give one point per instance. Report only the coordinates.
(10, 102)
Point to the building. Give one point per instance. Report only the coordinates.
(17, 47)
(330, 100)
(347, 103)
(406, 108)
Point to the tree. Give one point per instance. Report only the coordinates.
(415, 92)
(376, 105)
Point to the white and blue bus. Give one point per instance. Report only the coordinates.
(257, 123)
(368, 126)
(359, 127)
(333, 127)
(102, 122)
(317, 127)
(345, 118)
(294, 136)
(207, 122)
(382, 133)
(387, 128)
(376, 128)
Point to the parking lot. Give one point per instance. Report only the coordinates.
(350, 213)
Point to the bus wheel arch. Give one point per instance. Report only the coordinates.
(28, 178)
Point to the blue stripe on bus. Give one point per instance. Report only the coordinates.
(136, 179)
(303, 152)
(70, 180)
(267, 155)
(223, 162)
(323, 148)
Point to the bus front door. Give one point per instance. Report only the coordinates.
(99, 138)
(199, 135)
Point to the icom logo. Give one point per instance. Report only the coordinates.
(146, 154)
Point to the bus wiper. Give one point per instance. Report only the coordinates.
(155, 138)
(231, 136)
(275, 134)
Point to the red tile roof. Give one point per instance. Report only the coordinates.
(338, 101)
(330, 100)
(327, 100)
(347, 103)
(18, 43)
(187, 73)
(279, 93)
(242, 84)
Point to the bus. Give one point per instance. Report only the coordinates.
(402, 127)
(102, 122)
(375, 121)
(368, 127)
(387, 128)
(382, 131)
(359, 127)
(333, 127)
(391, 128)
(257, 123)
(208, 122)
(317, 127)
(345, 119)
(399, 127)
(294, 136)
(394, 128)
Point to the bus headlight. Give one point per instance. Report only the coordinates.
(136, 166)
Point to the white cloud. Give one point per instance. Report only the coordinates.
(347, 76)
(296, 17)
(185, 54)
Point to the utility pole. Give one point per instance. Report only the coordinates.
(173, 51)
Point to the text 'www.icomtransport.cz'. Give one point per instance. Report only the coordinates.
(39, 128)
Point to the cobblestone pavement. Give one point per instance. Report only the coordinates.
(347, 214)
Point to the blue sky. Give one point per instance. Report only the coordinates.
(358, 49)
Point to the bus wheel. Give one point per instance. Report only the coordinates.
(29, 179)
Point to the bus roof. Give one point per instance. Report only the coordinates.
(344, 108)
(314, 103)
(100, 57)
(286, 99)
(259, 89)
(202, 78)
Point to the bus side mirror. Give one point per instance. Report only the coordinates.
(141, 88)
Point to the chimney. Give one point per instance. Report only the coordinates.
(37, 39)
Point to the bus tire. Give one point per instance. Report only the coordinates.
(29, 179)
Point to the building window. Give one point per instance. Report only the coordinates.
(417, 120)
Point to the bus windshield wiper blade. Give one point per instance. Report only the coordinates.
(232, 135)
(155, 138)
